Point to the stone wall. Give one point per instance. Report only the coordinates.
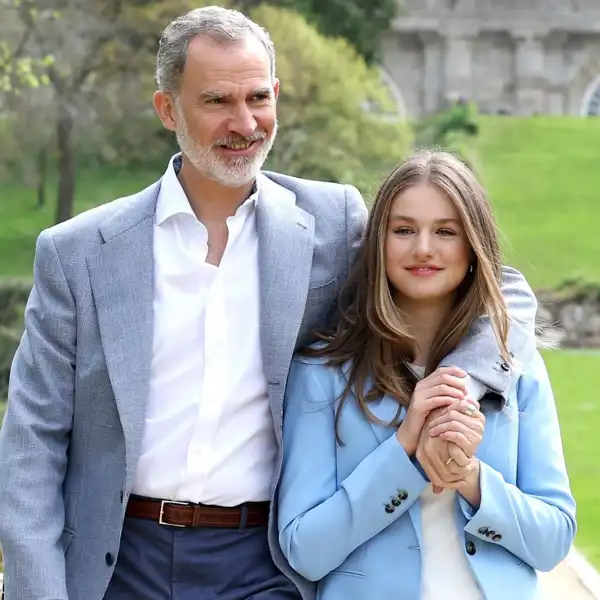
(574, 318)
(518, 57)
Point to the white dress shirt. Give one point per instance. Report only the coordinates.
(208, 434)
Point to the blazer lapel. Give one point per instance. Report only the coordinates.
(122, 276)
(286, 243)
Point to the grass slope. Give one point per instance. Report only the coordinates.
(544, 179)
(572, 375)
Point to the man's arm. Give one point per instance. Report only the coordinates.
(35, 436)
(479, 353)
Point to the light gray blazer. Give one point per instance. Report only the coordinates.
(71, 437)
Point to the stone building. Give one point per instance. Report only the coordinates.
(518, 57)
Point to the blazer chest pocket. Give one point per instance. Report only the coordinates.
(319, 301)
(321, 293)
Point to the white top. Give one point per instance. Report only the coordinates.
(446, 572)
(208, 433)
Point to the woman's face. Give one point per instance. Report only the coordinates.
(427, 254)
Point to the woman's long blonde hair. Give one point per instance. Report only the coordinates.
(371, 337)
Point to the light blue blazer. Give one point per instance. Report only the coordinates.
(333, 524)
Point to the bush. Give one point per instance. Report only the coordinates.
(13, 297)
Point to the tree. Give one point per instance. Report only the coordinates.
(333, 110)
(17, 70)
(361, 22)
(93, 44)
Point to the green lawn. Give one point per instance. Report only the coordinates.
(574, 377)
(542, 174)
(544, 179)
(21, 221)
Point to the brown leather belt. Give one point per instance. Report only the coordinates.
(187, 514)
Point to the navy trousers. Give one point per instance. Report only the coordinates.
(158, 562)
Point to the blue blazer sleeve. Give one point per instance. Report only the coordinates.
(536, 517)
(321, 520)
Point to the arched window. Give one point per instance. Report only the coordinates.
(591, 101)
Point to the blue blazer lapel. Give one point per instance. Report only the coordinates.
(122, 278)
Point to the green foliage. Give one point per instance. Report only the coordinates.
(13, 297)
(449, 129)
(361, 22)
(333, 109)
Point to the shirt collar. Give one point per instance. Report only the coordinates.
(172, 200)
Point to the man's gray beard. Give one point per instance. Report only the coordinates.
(232, 172)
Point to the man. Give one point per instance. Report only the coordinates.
(141, 446)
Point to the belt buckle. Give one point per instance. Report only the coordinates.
(162, 512)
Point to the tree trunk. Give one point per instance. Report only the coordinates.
(66, 163)
(41, 177)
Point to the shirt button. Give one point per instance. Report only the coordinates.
(470, 548)
(109, 559)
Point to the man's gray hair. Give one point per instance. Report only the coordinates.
(219, 24)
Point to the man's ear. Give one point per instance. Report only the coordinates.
(164, 105)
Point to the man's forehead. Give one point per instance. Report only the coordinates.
(207, 56)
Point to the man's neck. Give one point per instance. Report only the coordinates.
(209, 199)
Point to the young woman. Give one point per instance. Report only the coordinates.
(396, 485)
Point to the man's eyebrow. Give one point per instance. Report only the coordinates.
(213, 95)
(264, 91)
(209, 95)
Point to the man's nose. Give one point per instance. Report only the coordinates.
(243, 122)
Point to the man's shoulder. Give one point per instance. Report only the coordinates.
(314, 191)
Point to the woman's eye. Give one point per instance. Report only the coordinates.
(446, 232)
(403, 230)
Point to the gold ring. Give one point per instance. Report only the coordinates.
(449, 461)
(469, 411)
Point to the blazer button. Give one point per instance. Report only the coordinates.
(389, 508)
(109, 559)
(505, 366)
(483, 531)
(470, 548)
(403, 495)
(496, 538)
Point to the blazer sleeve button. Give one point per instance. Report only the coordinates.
(389, 508)
(483, 531)
(396, 502)
(496, 538)
(505, 366)
(403, 495)
(470, 548)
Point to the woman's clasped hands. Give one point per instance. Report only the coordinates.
(443, 428)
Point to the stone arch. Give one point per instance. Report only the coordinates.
(590, 106)
(395, 92)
